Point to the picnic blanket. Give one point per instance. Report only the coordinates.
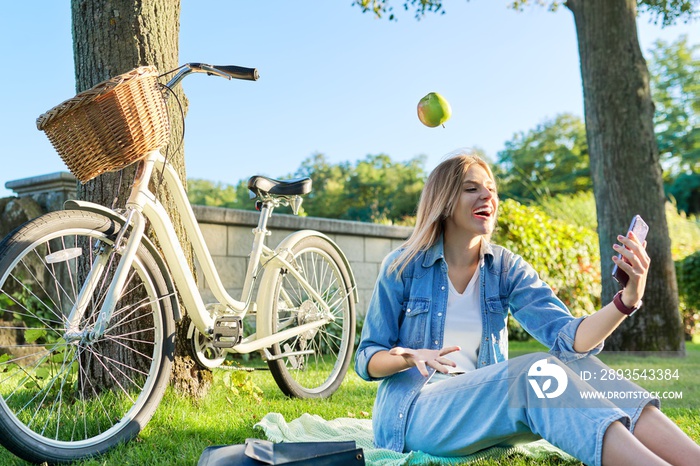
(313, 428)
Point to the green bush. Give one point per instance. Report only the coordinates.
(685, 250)
(579, 209)
(688, 271)
(688, 275)
(684, 230)
(565, 256)
(576, 209)
(559, 240)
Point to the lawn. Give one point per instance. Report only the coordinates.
(181, 429)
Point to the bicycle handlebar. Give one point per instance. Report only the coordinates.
(239, 72)
(225, 71)
(229, 71)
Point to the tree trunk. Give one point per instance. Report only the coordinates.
(111, 37)
(627, 176)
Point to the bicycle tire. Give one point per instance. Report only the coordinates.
(319, 372)
(63, 398)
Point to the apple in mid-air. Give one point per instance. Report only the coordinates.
(434, 110)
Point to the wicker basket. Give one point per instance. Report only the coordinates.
(110, 126)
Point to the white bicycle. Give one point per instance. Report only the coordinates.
(88, 307)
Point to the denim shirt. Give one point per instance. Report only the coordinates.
(409, 311)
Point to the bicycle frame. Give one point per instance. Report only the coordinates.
(89, 341)
(143, 204)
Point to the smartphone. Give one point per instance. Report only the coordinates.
(640, 230)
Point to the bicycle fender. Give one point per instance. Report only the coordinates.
(263, 301)
(75, 204)
(297, 236)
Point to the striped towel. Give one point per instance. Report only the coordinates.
(313, 428)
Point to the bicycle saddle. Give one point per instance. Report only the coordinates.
(262, 185)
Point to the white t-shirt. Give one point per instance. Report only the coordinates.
(463, 325)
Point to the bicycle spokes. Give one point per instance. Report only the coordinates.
(58, 380)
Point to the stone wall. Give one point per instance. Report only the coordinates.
(228, 233)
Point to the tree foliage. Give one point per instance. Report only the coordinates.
(204, 192)
(565, 256)
(548, 160)
(382, 8)
(685, 190)
(375, 189)
(665, 11)
(536, 165)
(669, 11)
(579, 210)
(675, 82)
(552, 158)
(619, 114)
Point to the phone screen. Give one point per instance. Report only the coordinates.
(640, 230)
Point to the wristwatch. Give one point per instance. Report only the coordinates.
(628, 311)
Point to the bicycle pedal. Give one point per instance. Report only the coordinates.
(227, 332)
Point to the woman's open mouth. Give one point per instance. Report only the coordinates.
(483, 212)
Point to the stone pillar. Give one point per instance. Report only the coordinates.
(49, 191)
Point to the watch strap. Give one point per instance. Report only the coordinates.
(628, 311)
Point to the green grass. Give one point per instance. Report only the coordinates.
(181, 428)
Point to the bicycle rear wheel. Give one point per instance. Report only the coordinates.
(65, 395)
(314, 363)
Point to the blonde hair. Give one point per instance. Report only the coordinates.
(438, 202)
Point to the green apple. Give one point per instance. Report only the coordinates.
(434, 110)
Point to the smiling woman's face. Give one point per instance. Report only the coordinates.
(475, 212)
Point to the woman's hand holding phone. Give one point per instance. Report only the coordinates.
(632, 262)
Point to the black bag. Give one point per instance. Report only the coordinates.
(257, 452)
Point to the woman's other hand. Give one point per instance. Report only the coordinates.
(424, 358)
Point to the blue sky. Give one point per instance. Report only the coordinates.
(333, 80)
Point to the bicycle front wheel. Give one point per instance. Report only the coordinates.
(64, 393)
(313, 363)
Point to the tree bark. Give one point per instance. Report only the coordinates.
(627, 176)
(111, 37)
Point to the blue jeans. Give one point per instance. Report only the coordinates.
(512, 402)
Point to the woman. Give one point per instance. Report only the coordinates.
(435, 334)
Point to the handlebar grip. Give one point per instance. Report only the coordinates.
(239, 72)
